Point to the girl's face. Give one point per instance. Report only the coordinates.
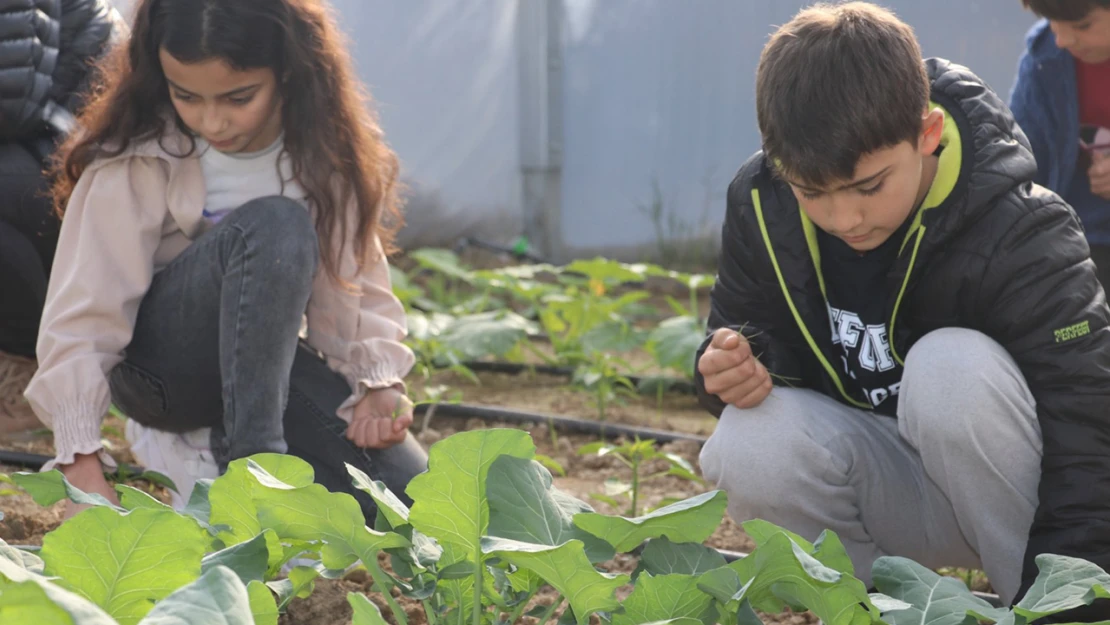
(234, 111)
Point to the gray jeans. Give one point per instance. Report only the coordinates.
(215, 345)
(951, 482)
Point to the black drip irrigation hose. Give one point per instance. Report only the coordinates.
(460, 411)
(565, 424)
(21, 459)
(672, 385)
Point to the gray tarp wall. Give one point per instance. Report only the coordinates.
(577, 120)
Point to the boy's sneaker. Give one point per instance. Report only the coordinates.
(184, 458)
(15, 413)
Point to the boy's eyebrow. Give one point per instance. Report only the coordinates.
(222, 95)
(850, 185)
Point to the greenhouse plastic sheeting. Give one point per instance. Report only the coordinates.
(654, 100)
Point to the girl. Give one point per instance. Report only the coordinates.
(228, 180)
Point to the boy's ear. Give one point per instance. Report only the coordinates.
(932, 128)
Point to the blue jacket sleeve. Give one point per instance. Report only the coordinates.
(1027, 101)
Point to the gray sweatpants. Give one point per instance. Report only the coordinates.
(951, 482)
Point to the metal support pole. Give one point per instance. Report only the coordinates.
(539, 44)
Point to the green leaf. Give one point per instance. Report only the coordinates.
(394, 510)
(132, 498)
(782, 570)
(474, 337)
(263, 607)
(22, 559)
(299, 584)
(82, 611)
(365, 612)
(675, 342)
(159, 479)
(663, 557)
(606, 499)
(524, 507)
(248, 560)
(724, 585)
(692, 520)
(566, 568)
(450, 496)
(27, 602)
(935, 600)
(828, 549)
(231, 496)
(657, 598)
(217, 598)
(125, 562)
(198, 506)
(458, 570)
(761, 532)
(887, 604)
(1062, 584)
(294, 513)
(442, 261)
(606, 270)
(51, 487)
(551, 464)
(613, 336)
(600, 448)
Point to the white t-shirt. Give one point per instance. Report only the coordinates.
(235, 179)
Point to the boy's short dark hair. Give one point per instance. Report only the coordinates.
(835, 83)
(1064, 10)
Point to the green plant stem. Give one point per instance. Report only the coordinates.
(429, 612)
(550, 610)
(514, 616)
(542, 356)
(635, 487)
(478, 586)
(380, 580)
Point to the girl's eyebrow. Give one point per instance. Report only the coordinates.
(233, 92)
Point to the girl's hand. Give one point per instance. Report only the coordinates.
(381, 419)
(86, 474)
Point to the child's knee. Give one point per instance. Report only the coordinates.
(757, 455)
(959, 384)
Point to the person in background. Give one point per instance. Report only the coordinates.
(230, 179)
(1061, 100)
(45, 67)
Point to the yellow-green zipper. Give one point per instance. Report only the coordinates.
(794, 309)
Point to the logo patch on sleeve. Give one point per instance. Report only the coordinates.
(1070, 333)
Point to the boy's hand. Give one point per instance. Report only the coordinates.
(732, 372)
(1099, 173)
(86, 474)
(381, 419)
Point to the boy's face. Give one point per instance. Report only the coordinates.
(1087, 39)
(889, 183)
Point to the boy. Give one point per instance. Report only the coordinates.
(908, 343)
(1062, 101)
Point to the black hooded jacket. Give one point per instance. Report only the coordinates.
(994, 253)
(46, 47)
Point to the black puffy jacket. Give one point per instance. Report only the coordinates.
(998, 255)
(46, 47)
